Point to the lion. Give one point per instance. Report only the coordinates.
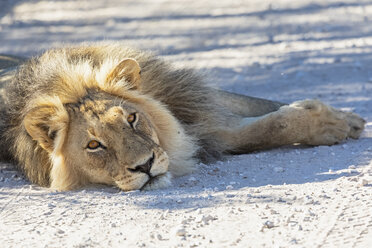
(105, 113)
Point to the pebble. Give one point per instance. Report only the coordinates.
(269, 224)
(192, 179)
(229, 187)
(278, 169)
(352, 167)
(205, 219)
(181, 232)
(364, 182)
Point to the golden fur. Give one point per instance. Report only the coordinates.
(59, 102)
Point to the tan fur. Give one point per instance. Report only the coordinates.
(60, 101)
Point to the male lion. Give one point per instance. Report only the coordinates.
(105, 113)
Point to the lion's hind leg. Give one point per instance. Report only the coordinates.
(307, 122)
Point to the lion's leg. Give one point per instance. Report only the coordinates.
(307, 122)
(245, 106)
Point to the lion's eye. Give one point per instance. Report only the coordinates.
(93, 144)
(131, 118)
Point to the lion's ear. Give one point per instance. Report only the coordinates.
(44, 122)
(129, 70)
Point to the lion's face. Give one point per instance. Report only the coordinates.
(101, 129)
(97, 127)
(114, 143)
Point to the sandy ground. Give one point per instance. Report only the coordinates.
(282, 50)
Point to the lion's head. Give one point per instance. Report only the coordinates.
(98, 129)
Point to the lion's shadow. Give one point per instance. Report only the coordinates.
(226, 181)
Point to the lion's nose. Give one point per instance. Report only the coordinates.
(146, 167)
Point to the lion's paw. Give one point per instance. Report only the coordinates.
(327, 125)
(354, 121)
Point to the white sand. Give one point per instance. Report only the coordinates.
(282, 50)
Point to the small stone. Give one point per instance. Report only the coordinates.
(159, 237)
(208, 218)
(269, 224)
(272, 211)
(192, 179)
(229, 187)
(113, 225)
(353, 179)
(364, 182)
(181, 232)
(352, 167)
(179, 201)
(293, 242)
(278, 169)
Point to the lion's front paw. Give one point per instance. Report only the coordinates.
(327, 125)
(355, 122)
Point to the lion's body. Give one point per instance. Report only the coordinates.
(56, 102)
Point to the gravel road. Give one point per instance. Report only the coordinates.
(281, 50)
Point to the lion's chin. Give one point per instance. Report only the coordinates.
(158, 182)
(144, 182)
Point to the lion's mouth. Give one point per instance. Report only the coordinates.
(156, 182)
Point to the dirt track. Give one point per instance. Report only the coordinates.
(282, 50)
